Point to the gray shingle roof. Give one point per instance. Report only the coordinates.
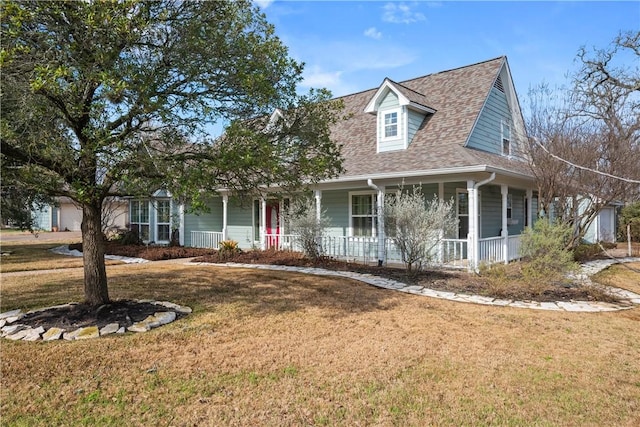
(457, 95)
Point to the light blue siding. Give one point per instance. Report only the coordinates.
(487, 134)
(336, 205)
(42, 218)
(204, 221)
(415, 120)
(239, 224)
(389, 102)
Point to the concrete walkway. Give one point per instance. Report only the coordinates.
(628, 299)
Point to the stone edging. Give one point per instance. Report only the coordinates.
(629, 299)
(10, 327)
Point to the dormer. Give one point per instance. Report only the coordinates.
(400, 112)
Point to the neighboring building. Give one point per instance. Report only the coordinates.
(66, 215)
(458, 133)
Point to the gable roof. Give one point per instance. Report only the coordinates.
(406, 97)
(457, 96)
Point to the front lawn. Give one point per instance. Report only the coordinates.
(282, 349)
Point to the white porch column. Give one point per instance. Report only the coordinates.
(263, 223)
(382, 238)
(529, 212)
(472, 237)
(504, 190)
(225, 204)
(441, 235)
(181, 229)
(318, 196)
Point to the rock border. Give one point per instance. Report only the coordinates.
(12, 329)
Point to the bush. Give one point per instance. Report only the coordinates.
(545, 257)
(630, 215)
(228, 248)
(309, 229)
(417, 227)
(586, 251)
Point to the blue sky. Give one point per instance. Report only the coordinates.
(350, 46)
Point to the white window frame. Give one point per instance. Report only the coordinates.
(383, 124)
(505, 137)
(374, 228)
(509, 206)
(137, 220)
(158, 223)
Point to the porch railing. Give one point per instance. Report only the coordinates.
(206, 239)
(365, 249)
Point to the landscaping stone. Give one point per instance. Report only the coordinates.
(139, 327)
(12, 329)
(14, 319)
(34, 334)
(111, 328)
(52, 334)
(88, 332)
(18, 331)
(10, 313)
(19, 335)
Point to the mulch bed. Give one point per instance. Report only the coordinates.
(123, 312)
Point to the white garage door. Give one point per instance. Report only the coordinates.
(607, 225)
(70, 217)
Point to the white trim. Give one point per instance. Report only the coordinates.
(157, 224)
(372, 106)
(382, 116)
(373, 214)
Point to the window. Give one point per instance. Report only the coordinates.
(509, 206)
(391, 125)
(163, 220)
(364, 221)
(139, 218)
(506, 139)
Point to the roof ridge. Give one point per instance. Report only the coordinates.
(402, 83)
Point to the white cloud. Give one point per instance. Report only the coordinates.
(401, 13)
(263, 4)
(373, 33)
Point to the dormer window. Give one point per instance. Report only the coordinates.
(391, 125)
(400, 112)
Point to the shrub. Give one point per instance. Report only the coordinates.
(543, 250)
(586, 251)
(301, 216)
(630, 215)
(228, 248)
(417, 227)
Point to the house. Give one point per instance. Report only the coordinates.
(65, 215)
(458, 133)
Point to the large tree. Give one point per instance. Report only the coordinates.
(102, 99)
(585, 141)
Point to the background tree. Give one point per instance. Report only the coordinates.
(417, 226)
(103, 99)
(585, 142)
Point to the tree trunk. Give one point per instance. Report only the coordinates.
(95, 274)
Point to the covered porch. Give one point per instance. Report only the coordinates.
(492, 211)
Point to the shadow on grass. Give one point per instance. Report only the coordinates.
(258, 292)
